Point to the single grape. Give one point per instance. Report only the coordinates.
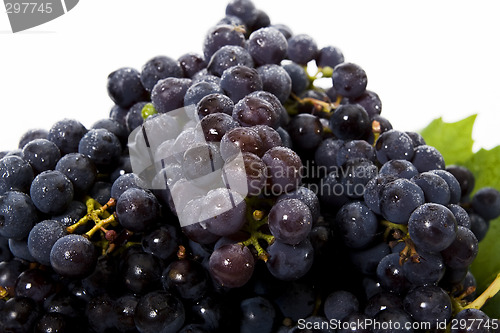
(162, 242)
(472, 321)
(267, 46)
(350, 122)
(340, 304)
(51, 192)
(125, 87)
(232, 265)
(186, 278)
(428, 304)
(349, 80)
(327, 155)
(432, 227)
(426, 158)
(227, 57)
(465, 178)
(306, 131)
(299, 78)
(398, 168)
(191, 63)
(357, 224)
(240, 140)
(486, 203)
(354, 149)
(17, 215)
(223, 211)
(478, 225)
(19, 314)
(370, 101)
(461, 215)
(284, 169)
(258, 314)
(253, 110)
(399, 198)
(290, 262)
(168, 94)
(290, 221)
(214, 103)
(394, 145)
(197, 91)
(159, 68)
(159, 311)
(329, 56)
(275, 79)
(428, 268)
(302, 49)
(42, 237)
(79, 169)
(16, 174)
(435, 188)
(137, 209)
(32, 134)
(382, 301)
(41, 154)
(141, 272)
(102, 147)
(239, 81)
(73, 256)
(391, 275)
(215, 126)
(243, 9)
(462, 252)
(219, 36)
(34, 283)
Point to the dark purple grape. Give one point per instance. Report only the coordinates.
(340, 304)
(240, 140)
(17, 215)
(73, 256)
(168, 94)
(100, 313)
(370, 101)
(486, 203)
(462, 252)
(243, 9)
(432, 227)
(162, 242)
(118, 113)
(42, 237)
(398, 168)
(349, 80)
(428, 268)
(102, 147)
(472, 321)
(465, 178)
(399, 198)
(223, 211)
(350, 122)
(461, 215)
(290, 262)
(134, 118)
(125, 87)
(382, 301)
(114, 127)
(216, 125)
(267, 46)
(258, 315)
(269, 136)
(124, 182)
(199, 90)
(219, 36)
(32, 134)
(35, 284)
(302, 49)
(187, 278)
(214, 103)
(275, 79)
(453, 184)
(357, 224)
(367, 260)
(227, 57)
(290, 221)
(239, 81)
(16, 174)
(51, 192)
(252, 167)
(299, 78)
(435, 188)
(191, 63)
(53, 322)
(41, 154)
(124, 309)
(306, 131)
(79, 169)
(141, 273)
(284, 169)
(137, 209)
(232, 265)
(329, 56)
(428, 304)
(18, 315)
(394, 145)
(427, 158)
(159, 68)
(252, 110)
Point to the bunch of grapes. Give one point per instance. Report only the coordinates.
(269, 204)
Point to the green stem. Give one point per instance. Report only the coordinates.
(491, 291)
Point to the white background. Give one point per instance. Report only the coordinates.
(425, 59)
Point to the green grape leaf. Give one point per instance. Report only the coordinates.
(484, 165)
(453, 140)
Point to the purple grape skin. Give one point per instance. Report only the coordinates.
(290, 221)
(290, 262)
(137, 209)
(42, 237)
(232, 265)
(284, 169)
(432, 227)
(73, 256)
